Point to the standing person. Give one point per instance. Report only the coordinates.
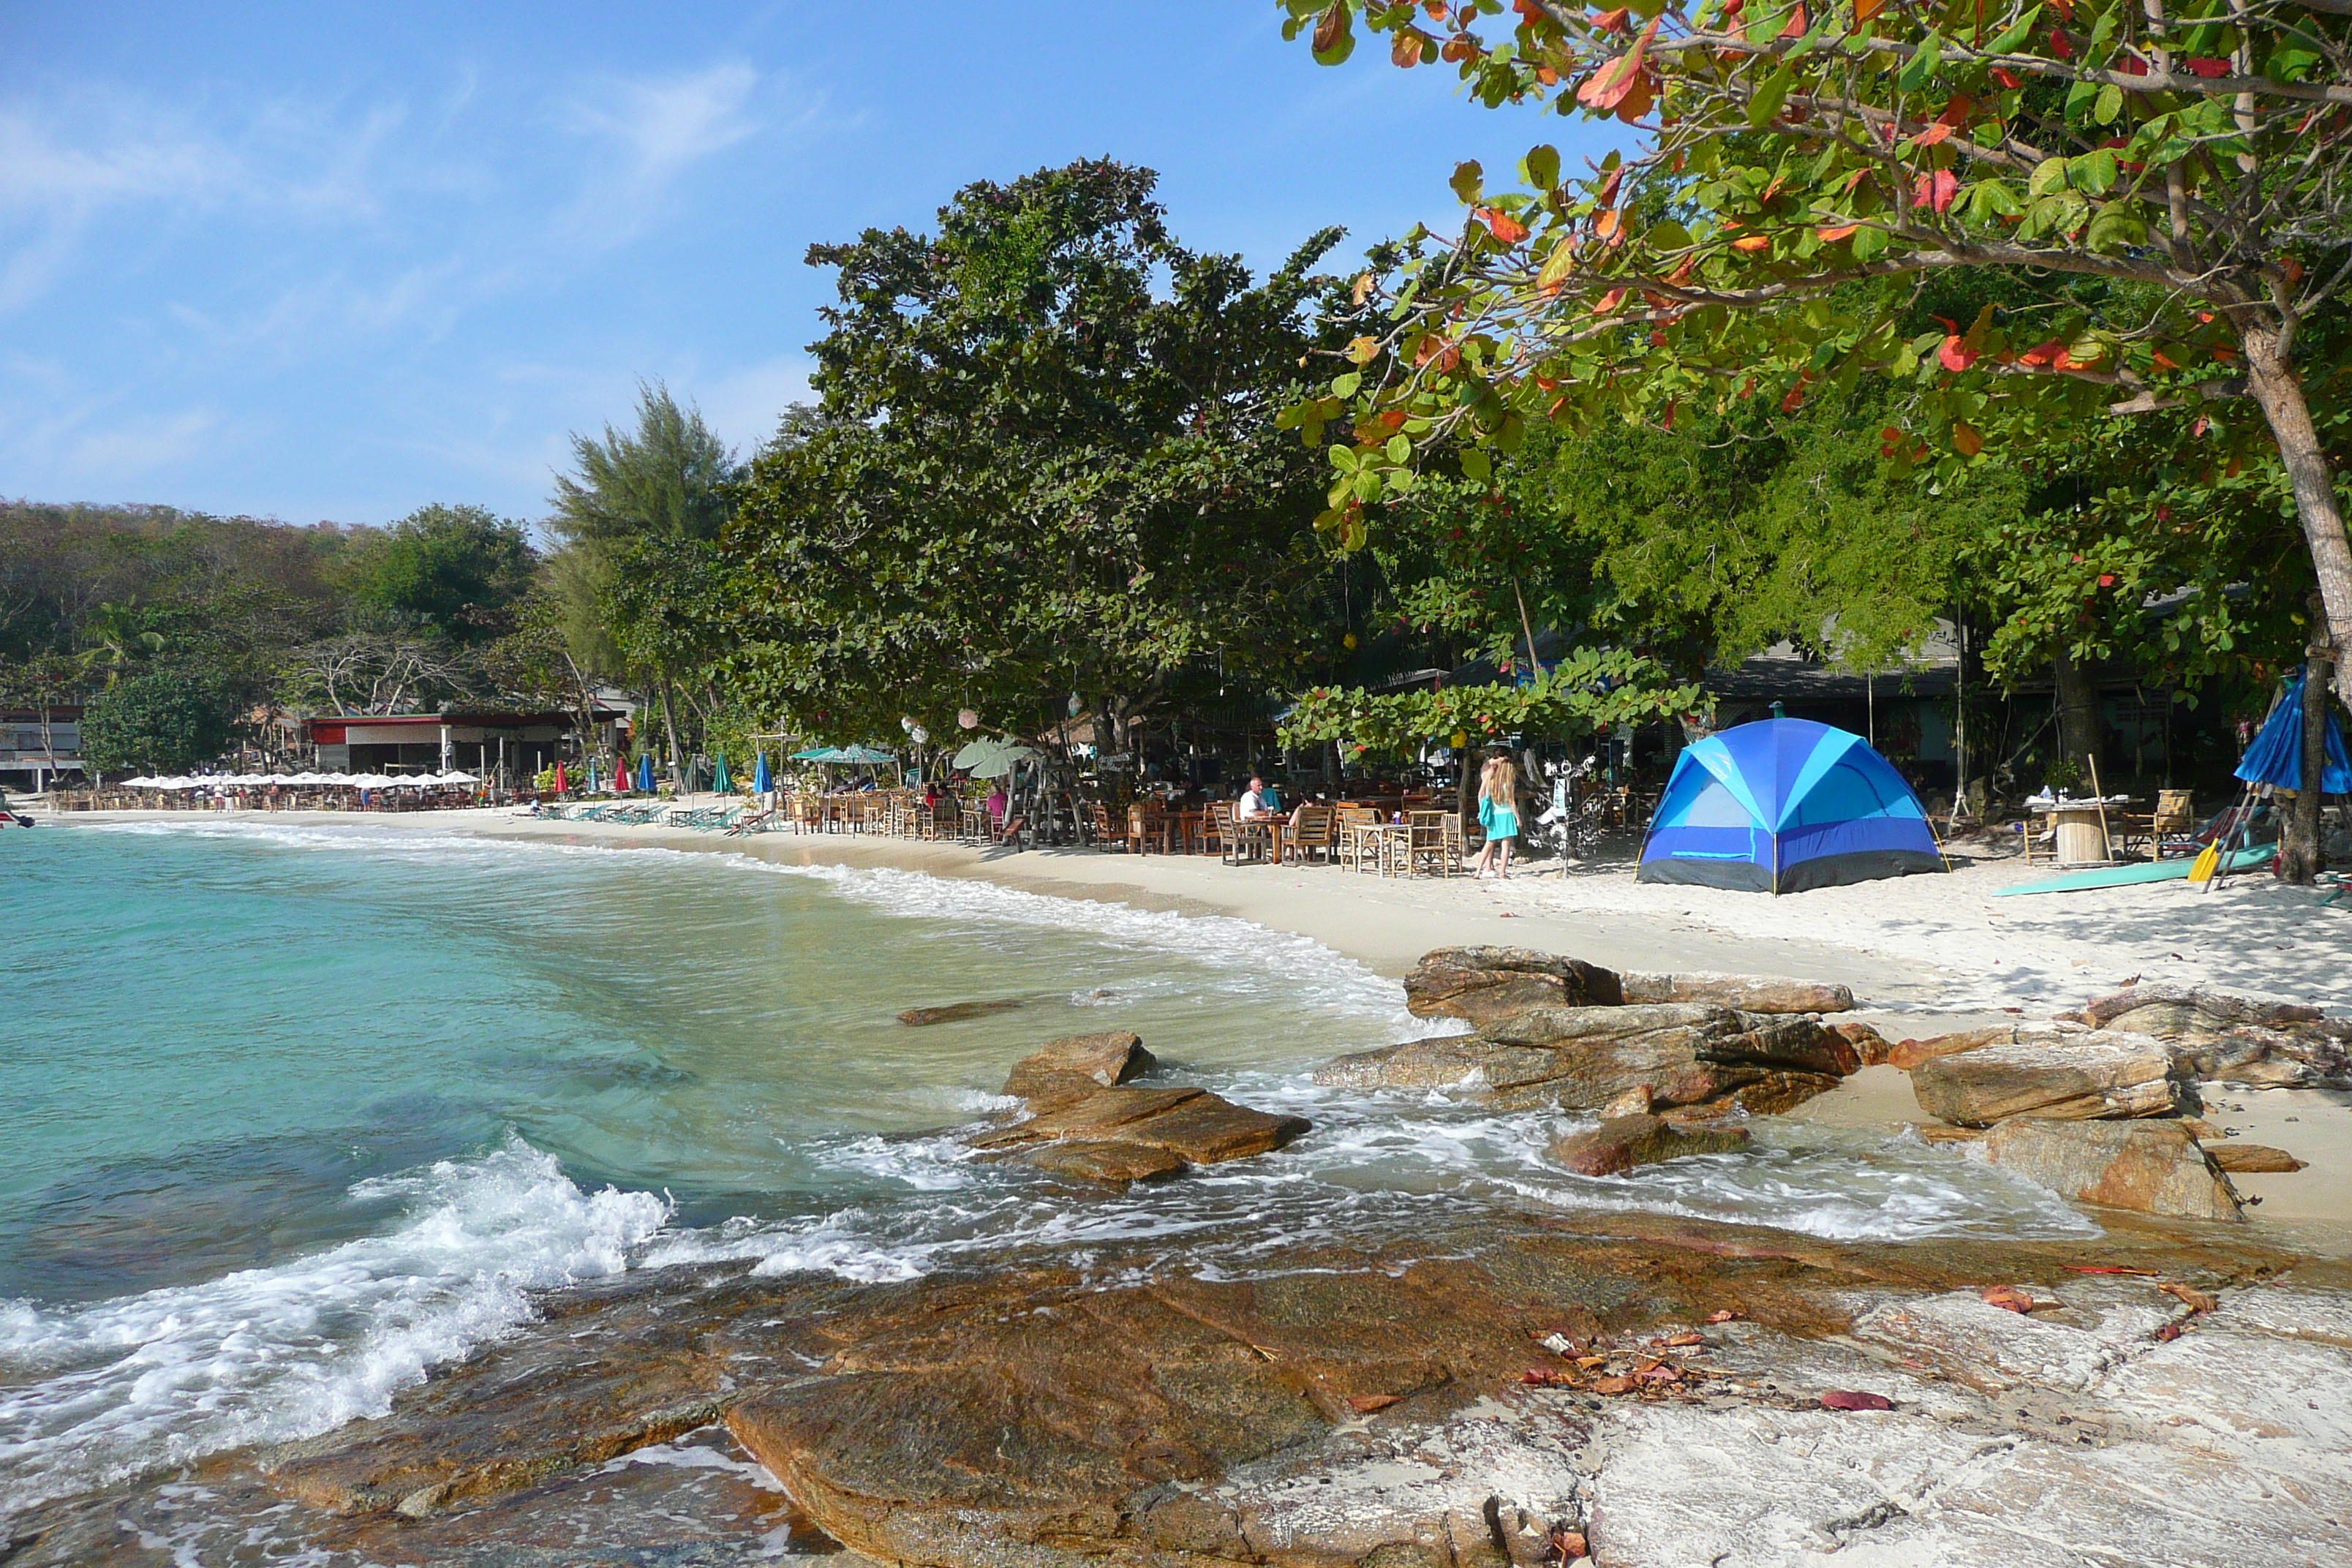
(1498, 814)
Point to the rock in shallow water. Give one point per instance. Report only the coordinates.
(1588, 1058)
(2082, 1076)
(1624, 1141)
(2155, 1167)
(1085, 1121)
(1485, 985)
(1079, 1061)
(955, 1012)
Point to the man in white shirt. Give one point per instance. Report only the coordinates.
(1252, 806)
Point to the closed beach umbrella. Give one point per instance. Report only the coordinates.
(2276, 756)
(620, 776)
(719, 782)
(562, 785)
(762, 782)
(645, 772)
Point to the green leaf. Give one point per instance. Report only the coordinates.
(1541, 167)
(1666, 235)
(1475, 463)
(2019, 31)
(1367, 485)
(2094, 172)
(1345, 385)
(1398, 449)
(1766, 104)
(1868, 242)
(1920, 69)
(1344, 458)
(1469, 181)
(2110, 105)
(2048, 177)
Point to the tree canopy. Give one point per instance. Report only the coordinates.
(1044, 462)
(2180, 177)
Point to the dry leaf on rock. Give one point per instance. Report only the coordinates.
(2008, 1298)
(1855, 1399)
(2196, 1300)
(1613, 1385)
(1368, 1402)
(1726, 1315)
(1685, 1338)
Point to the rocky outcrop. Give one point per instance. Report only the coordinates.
(1622, 1143)
(1487, 983)
(2253, 1159)
(1483, 983)
(1084, 1119)
(2238, 1039)
(1589, 1059)
(956, 1012)
(1079, 1062)
(1909, 1054)
(1748, 994)
(2080, 1076)
(2155, 1167)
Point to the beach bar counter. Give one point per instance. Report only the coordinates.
(520, 743)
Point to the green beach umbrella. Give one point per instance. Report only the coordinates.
(719, 782)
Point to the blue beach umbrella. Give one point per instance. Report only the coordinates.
(719, 782)
(1782, 805)
(762, 782)
(645, 772)
(2276, 756)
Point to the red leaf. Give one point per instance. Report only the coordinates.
(1607, 195)
(1854, 1399)
(1935, 189)
(2209, 69)
(1832, 236)
(1368, 1402)
(2133, 66)
(1933, 134)
(2008, 1298)
(1610, 86)
(1795, 395)
(2008, 78)
(2107, 579)
(2064, 8)
(1406, 50)
(1752, 242)
(1611, 21)
(1502, 224)
(1610, 301)
(2060, 45)
(2043, 353)
(1956, 355)
(1797, 24)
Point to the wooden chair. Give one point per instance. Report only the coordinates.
(1349, 839)
(1213, 828)
(1245, 842)
(1314, 830)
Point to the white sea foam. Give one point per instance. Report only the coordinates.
(94, 1393)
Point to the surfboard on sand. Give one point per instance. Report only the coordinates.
(2133, 871)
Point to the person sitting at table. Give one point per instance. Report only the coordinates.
(998, 803)
(1253, 806)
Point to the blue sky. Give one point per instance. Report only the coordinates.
(338, 261)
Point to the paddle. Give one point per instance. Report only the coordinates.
(2209, 860)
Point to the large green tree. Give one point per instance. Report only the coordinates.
(1044, 463)
(639, 518)
(2181, 171)
(160, 720)
(457, 571)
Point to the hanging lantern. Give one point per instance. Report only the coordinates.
(1074, 705)
(968, 719)
(919, 735)
(906, 724)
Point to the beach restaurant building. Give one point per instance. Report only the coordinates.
(506, 746)
(36, 748)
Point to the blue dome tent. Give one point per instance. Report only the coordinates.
(1784, 804)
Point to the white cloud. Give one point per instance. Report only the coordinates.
(661, 127)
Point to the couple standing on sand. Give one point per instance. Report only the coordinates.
(1498, 815)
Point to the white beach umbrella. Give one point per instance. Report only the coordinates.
(460, 776)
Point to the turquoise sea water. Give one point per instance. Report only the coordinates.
(292, 1111)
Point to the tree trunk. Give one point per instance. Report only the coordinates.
(2078, 713)
(2275, 387)
(669, 728)
(2299, 840)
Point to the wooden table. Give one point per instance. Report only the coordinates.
(2082, 834)
(1255, 830)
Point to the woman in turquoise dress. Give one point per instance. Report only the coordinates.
(1498, 815)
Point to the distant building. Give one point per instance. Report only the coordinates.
(520, 743)
(29, 760)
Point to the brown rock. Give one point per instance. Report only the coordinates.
(1624, 1141)
(1210, 1128)
(1483, 983)
(1109, 1161)
(1747, 993)
(1871, 1048)
(2091, 1075)
(2155, 1167)
(1909, 1054)
(1655, 1055)
(2241, 1039)
(1076, 1061)
(1093, 1113)
(956, 1011)
(2254, 1159)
